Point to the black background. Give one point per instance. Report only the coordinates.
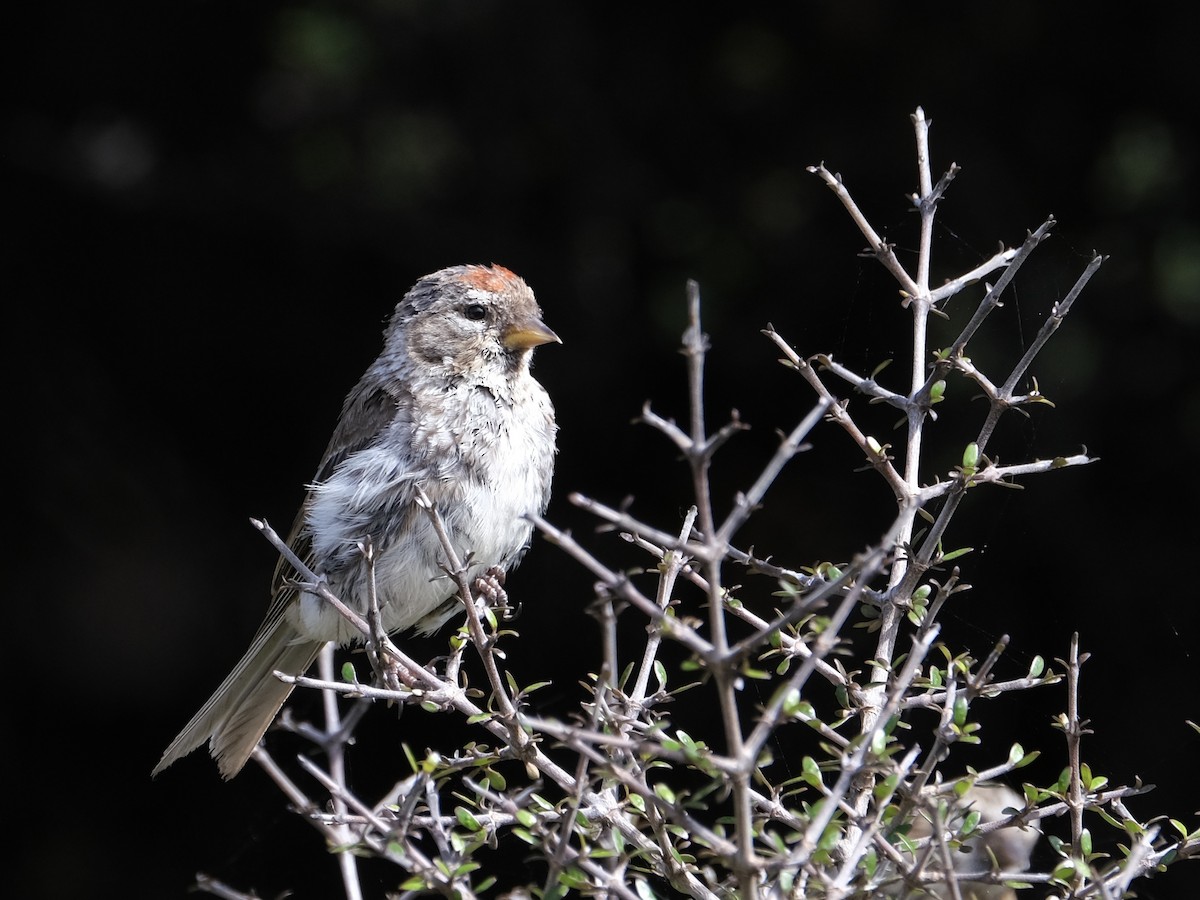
(212, 207)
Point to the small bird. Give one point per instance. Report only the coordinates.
(449, 406)
(1011, 847)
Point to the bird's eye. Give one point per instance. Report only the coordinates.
(476, 312)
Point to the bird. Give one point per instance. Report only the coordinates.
(449, 407)
(1009, 848)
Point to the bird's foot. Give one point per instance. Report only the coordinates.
(489, 587)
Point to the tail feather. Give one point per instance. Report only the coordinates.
(237, 715)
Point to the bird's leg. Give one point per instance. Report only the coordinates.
(489, 587)
(392, 675)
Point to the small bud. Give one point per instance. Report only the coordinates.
(970, 458)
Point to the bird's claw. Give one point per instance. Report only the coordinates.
(489, 587)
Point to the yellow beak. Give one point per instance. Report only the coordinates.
(527, 334)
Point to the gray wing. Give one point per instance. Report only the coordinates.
(365, 414)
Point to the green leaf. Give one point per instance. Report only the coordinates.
(810, 771)
(1064, 781)
(348, 673)
(1037, 667)
(870, 862)
(831, 835)
(970, 458)
(466, 819)
(791, 702)
(886, 787)
(625, 673)
(960, 712)
(970, 823)
(1028, 758)
(570, 877)
(1064, 872)
(879, 742)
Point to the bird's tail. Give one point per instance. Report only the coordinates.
(243, 707)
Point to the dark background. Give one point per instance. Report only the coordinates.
(212, 207)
